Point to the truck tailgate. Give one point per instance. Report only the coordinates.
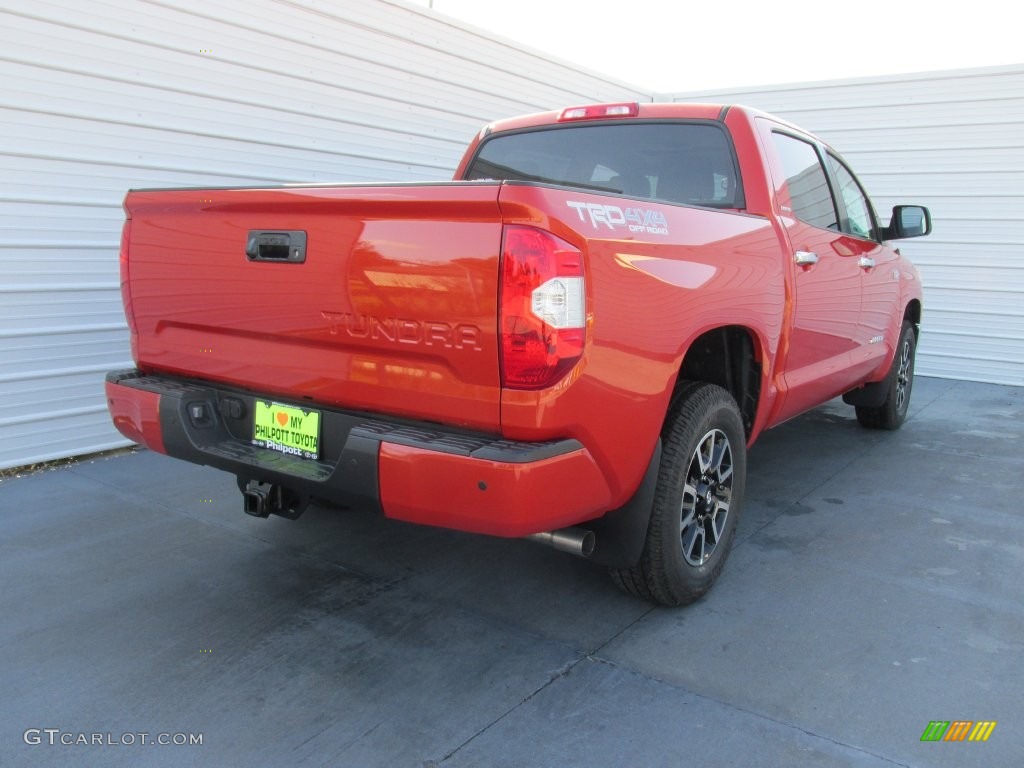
(375, 298)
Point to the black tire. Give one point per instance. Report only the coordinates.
(696, 501)
(899, 382)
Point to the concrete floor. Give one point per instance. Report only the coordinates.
(876, 585)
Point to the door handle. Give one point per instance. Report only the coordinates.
(805, 258)
(866, 263)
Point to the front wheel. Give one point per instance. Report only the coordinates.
(899, 382)
(696, 500)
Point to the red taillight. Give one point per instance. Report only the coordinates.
(598, 111)
(543, 308)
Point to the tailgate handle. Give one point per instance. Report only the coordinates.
(276, 245)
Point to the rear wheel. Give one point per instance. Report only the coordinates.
(696, 501)
(893, 410)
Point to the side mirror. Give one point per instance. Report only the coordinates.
(909, 221)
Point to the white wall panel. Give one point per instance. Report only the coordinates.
(100, 97)
(953, 141)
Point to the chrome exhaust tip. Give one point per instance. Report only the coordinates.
(575, 541)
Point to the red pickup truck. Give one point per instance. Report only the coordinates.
(575, 340)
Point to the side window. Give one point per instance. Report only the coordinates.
(809, 193)
(858, 219)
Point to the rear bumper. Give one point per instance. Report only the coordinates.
(421, 473)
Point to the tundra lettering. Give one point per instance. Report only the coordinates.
(404, 331)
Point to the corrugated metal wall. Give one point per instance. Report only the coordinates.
(99, 97)
(953, 141)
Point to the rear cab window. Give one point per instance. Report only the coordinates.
(692, 163)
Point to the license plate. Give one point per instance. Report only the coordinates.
(286, 429)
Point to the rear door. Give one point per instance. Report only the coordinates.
(820, 359)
